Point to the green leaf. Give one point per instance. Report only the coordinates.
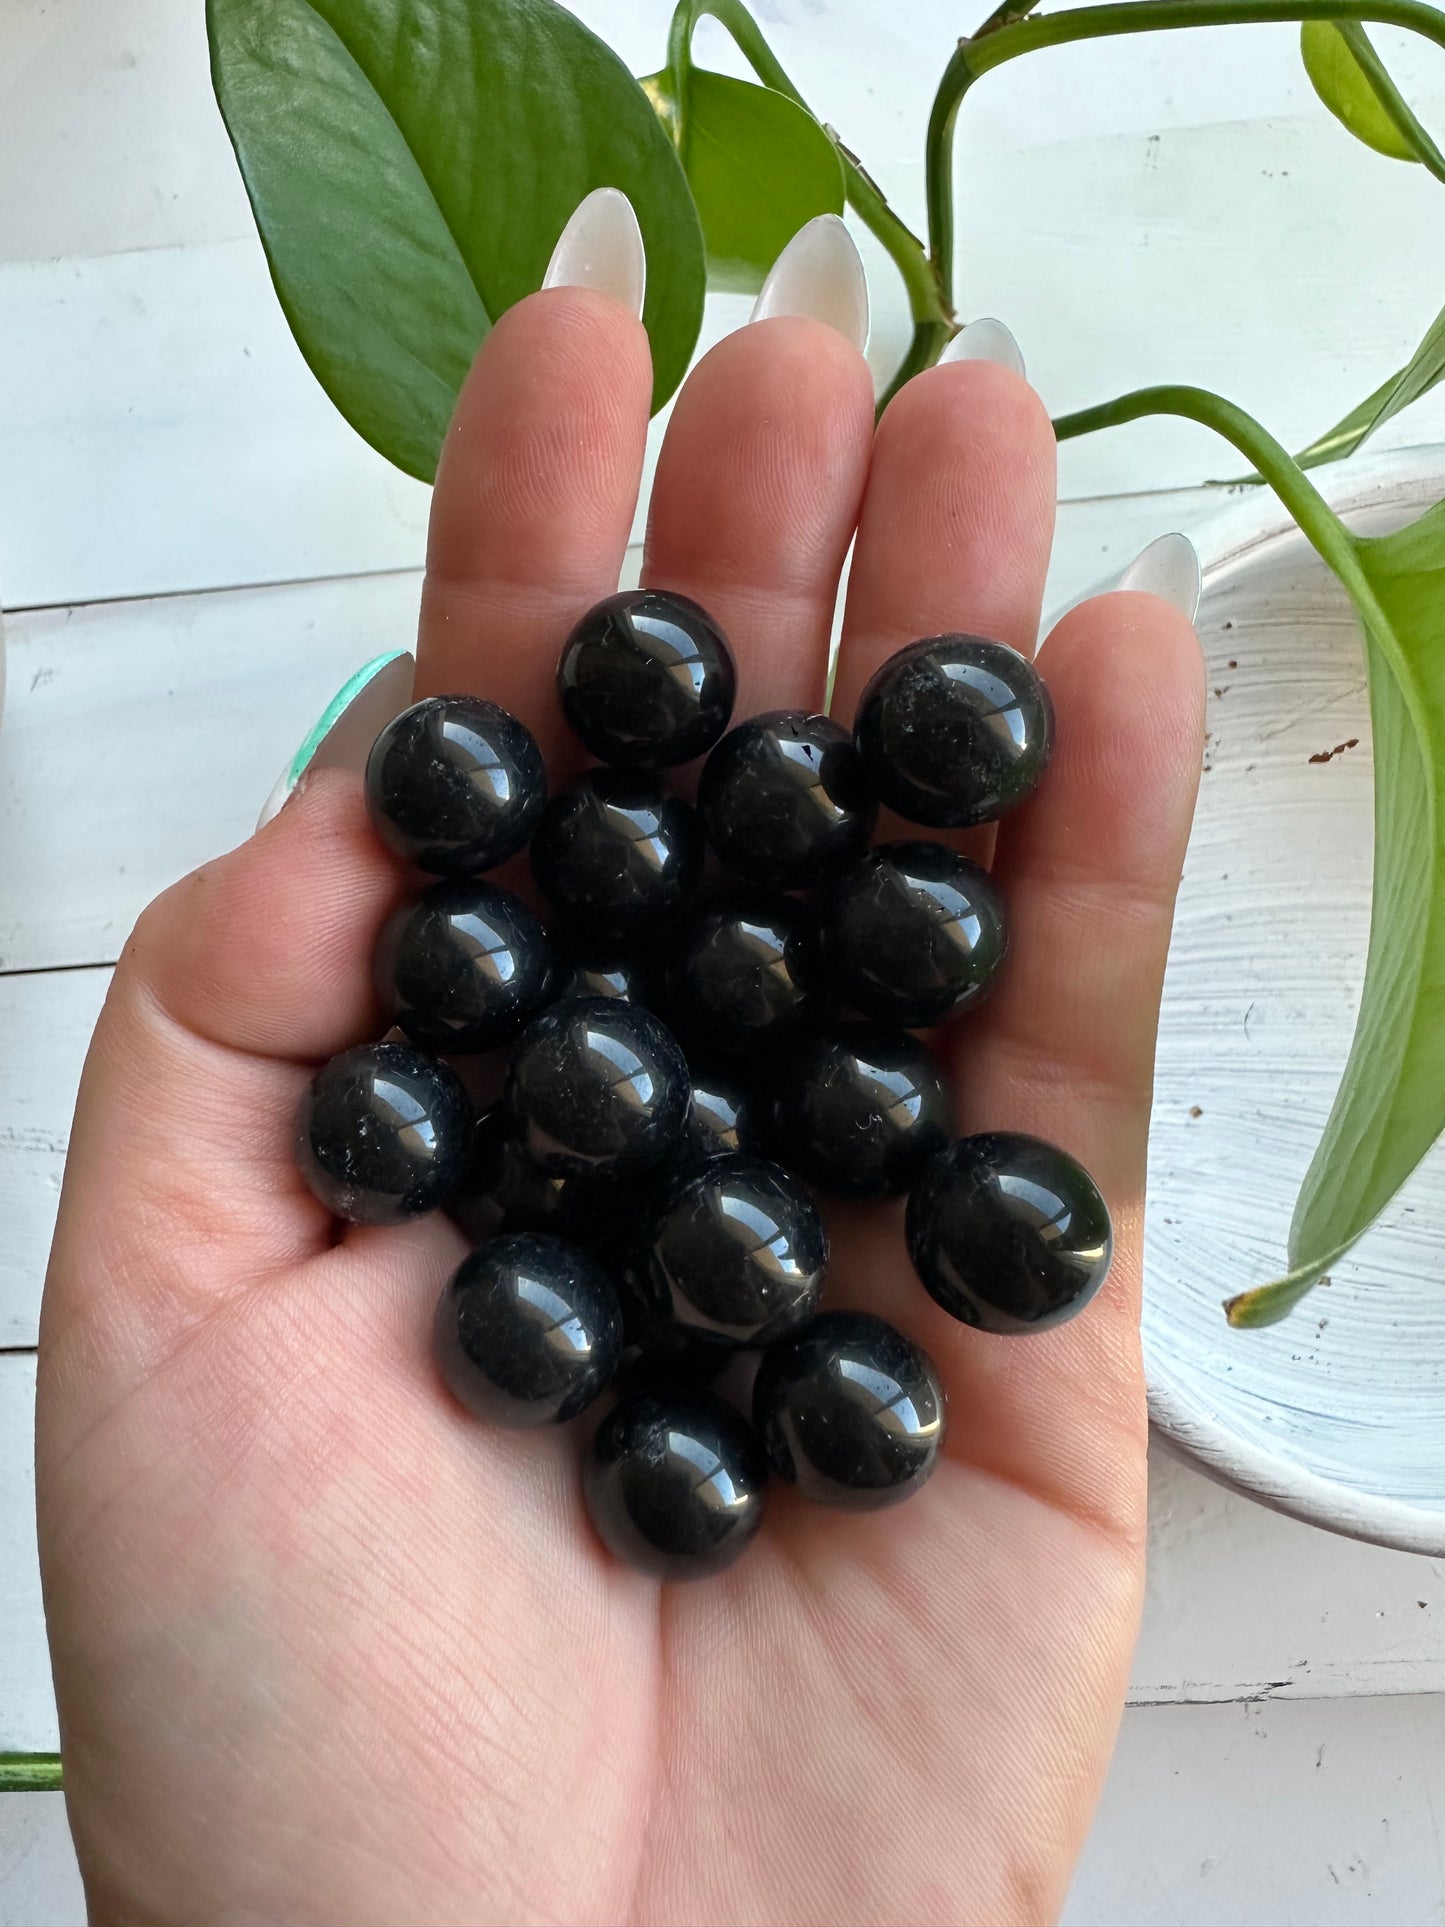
(1390, 1106)
(759, 166)
(1355, 85)
(411, 163)
(1419, 375)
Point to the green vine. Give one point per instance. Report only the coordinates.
(30, 1773)
(930, 300)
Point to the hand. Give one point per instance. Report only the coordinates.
(328, 1650)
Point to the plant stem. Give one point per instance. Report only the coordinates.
(928, 297)
(1390, 97)
(975, 57)
(1316, 519)
(29, 1772)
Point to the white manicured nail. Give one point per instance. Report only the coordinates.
(985, 340)
(819, 274)
(1168, 568)
(601, 247)
(349, 724)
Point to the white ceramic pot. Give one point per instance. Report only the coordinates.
(1336, 1415)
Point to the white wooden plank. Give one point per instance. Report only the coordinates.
(112, 140)
(1322, 1814)
(141, 738)
(154, 168)
(39, 1880)
(46, 1021)
(27, 1703)
(163, 434)
(1244, 1603)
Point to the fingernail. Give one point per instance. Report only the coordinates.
(349, 724)
(819, 274)
(1168, 568)
(986, 340)
(601, 247)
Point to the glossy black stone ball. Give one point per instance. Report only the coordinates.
(383, 1134)
(602, 972)
(614, 854)
(721, 1121)
(743, 972)
(503, 1191)
(675, 1483)
(464, 968)
(1008, 1233)
(913, 933)
(732, 1255)
(528, 1331)
(455, 785)
(954, 730)
(785, 801)
(647, 679)
(597, 1085)
(858, 1110)
(850, 1411)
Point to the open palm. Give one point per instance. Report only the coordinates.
(326, 1649)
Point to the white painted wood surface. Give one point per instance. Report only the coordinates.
(163, 452)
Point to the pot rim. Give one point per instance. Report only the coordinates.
(1226, 542)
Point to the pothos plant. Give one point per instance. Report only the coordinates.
(412, 162)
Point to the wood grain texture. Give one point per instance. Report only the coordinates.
(45, 1021)
(1323, 1814)
(27, 1704)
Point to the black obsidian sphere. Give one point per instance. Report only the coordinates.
(528, 1331)
(503, 1191)
(647, 680)
(732, 1255)
(913, 933)
(721, 1120)
(850, 1411)
(785, 801)
(597, 1085)
(675, 1483)
(455, 785)
(463, 968)
(954, 730)
(600, 972)
(859, 1110)
(383, 1134)
(1008, 1233)
(614, 854)
(742, 972)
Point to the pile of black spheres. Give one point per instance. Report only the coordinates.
(690, 1058)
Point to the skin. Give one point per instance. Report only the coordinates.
(327, 1650)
